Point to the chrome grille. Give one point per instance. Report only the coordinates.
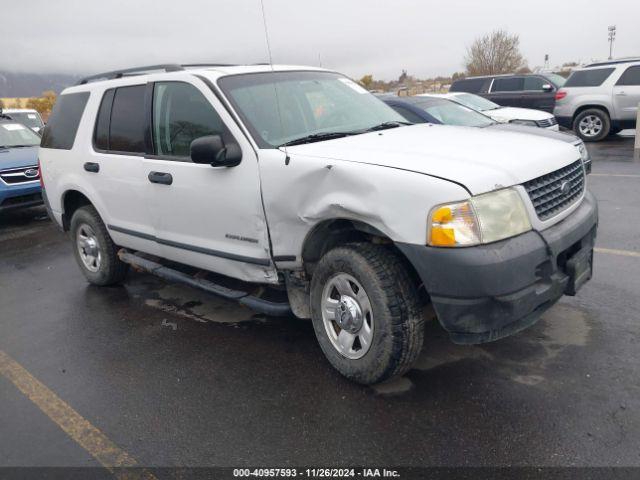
(12, 176)
(555, 191)
(547, 122)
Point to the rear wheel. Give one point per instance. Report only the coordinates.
(94, 250)
(366, 312)
(592, 125)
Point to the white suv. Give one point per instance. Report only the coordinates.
(600, 99)
(298, 178)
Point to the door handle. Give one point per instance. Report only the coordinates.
(92, 167)
(161, 177)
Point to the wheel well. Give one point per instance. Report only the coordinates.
(332, 233)
(72, 201)
(587, 107)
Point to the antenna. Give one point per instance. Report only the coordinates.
(275, 88)
(612, 38)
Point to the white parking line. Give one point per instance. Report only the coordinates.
(612, 251)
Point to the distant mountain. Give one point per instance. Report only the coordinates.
(33, 84)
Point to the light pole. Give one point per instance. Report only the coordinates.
(612, 37)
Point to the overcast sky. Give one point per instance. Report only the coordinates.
(426, 38)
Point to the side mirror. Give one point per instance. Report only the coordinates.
(212, 150)
(547, 87)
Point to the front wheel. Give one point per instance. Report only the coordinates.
(592, 125)
(366, 312)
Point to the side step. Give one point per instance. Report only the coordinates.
(258, 304)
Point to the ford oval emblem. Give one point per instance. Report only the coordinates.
(565, 187)
(31, 173)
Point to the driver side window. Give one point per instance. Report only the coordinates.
(181, 113)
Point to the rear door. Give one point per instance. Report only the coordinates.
(538, 93)
(115, 169)
(208, 217)
(507, 91)
(626, 96)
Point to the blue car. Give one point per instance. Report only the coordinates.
(19, 173)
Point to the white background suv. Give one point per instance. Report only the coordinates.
(601, 99)
(299, 179)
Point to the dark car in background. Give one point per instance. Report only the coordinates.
(536, 90)
(440, 111)
(19, 173)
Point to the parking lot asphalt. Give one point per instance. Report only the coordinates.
(173, 377)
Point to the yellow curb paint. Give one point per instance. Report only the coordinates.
(71, 422)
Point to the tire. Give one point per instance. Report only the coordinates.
(91, 240)
(592, 125)
(392, 322)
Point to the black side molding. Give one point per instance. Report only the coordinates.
(193, 248)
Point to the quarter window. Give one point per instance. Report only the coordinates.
(588, 78)
(181, 113)
(65, 118)
(631, 76)
(508, 84)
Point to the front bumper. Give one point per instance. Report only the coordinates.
(484, 293)
(19, 196)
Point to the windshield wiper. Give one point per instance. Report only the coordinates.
(317, 137)
(20, 146)
(387, 125)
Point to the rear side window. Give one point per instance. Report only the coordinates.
(128, 120)
(631, 76)
(469, 85)
(508, 84)
(588, 78)
(62, 127)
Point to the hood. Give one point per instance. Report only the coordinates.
(18, 157)
(541, 132)
(504, 114)
(480, 159)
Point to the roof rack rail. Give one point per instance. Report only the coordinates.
(196, 65)
(130, 72)
(614, 62)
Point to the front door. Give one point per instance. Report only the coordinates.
(208, 217)
(626, 96)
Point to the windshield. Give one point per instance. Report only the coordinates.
(17, 135)
(556, 79)
(30, 119)
(281, 107)
(451, 113)
(475, 102)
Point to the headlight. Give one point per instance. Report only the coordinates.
(530, 123)
(482, 219)
(584, 153)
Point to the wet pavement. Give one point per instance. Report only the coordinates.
(176, 377)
